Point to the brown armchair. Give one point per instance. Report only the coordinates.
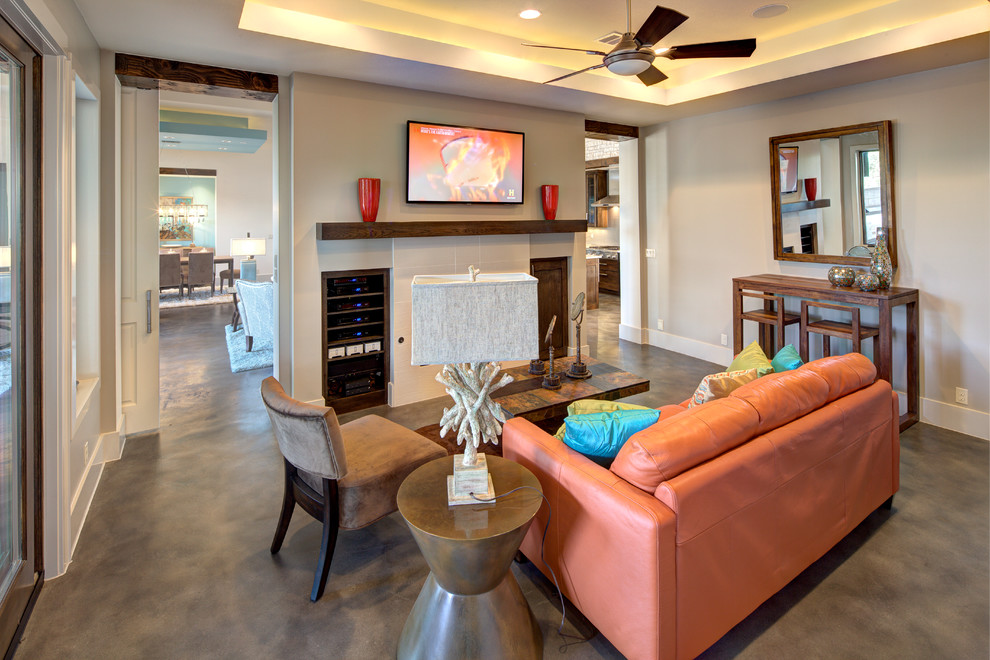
(344, 475)
(170, 271)
(200, 272)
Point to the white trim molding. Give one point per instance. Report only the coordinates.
(720, 355)
(956, 418)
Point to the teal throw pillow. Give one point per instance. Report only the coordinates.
(786, 359)
(600, 436)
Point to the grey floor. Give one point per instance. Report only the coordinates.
(173, 561)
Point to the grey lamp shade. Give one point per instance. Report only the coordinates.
(457, 320)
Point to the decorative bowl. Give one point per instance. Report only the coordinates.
(841, 275)
(868, 282)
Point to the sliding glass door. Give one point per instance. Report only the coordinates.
(20, 569)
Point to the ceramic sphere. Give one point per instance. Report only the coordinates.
(841, 275)
(868, 282)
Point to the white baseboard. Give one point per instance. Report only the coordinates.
(633, 334)
(956, 418)
(691, 347)
(113, 442)
(83, 497)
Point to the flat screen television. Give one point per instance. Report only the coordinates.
(463, 165)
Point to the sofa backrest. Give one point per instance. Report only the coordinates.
(678, 443)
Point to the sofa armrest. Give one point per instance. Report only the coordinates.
(610, 544)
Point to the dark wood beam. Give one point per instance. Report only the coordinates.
(153, 73)
(598, 163)
(603, 130)
(337, 231)
(185, 171)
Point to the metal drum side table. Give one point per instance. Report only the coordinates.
(471, 605)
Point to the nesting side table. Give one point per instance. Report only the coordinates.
(471, 605)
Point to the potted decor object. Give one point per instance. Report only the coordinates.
(368, 193)
(881, 265)
(867, 282)
(841, 275)
(811, 189)
(549, 195)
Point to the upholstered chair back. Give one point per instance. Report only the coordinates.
(308, 436)
(255, 303)
(169, 269)
(200, 268)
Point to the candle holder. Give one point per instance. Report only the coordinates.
(578, 370)
(552, 380)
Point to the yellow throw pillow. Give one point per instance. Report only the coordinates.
(752, 357)
(718, 386)
(589, 406)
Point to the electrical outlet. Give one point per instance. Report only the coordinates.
(659, 324)
(962, 396)
(725, 339)
(650, 253)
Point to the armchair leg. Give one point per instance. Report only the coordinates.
(331, 523)
(288, 506)
(248, 340)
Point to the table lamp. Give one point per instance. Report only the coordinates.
(249, 247)
(468, 323)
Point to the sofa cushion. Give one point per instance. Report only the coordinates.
(601, 435)
(844, 373)
(718, 386)
(588, 406)
(682, 441)
(751, 357)
(786, 359)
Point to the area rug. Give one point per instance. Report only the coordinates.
(260, 357)
(171, 298)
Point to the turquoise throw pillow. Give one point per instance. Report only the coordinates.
(786, 359)
(600, 436)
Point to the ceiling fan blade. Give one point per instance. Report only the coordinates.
(660, 23)
(580, 50)
(737, 48)
(574, 73)
(651, 76)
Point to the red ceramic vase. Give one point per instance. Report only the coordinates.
(811, 189)
(368, 192)
(549, 194)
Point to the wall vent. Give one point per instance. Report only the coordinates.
(611, 38)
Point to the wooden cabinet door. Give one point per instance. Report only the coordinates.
(591, 289)
(551, 274)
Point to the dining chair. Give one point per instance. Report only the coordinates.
(344, 475)
(229, 275)
(200, 272)
(170, 271)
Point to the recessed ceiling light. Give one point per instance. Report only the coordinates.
(529, 14)
(769, 11)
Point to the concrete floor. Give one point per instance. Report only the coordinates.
(173, 560)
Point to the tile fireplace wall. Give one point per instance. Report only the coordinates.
(407, 257)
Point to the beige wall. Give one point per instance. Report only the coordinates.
(708, 209)
(343, 130)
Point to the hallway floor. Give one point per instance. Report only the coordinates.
(173, 561)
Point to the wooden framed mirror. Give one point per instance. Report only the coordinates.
(834, 219)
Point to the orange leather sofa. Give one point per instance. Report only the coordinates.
(713, 509)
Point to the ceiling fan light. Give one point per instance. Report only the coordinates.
(628, 67)
(530, 14)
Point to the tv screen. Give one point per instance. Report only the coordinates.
(463, 165)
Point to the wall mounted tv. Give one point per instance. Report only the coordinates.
(463, 165)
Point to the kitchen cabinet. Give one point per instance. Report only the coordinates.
(591, 288)
(608, 276)
(597, 187)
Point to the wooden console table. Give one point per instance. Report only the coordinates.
(814, 289)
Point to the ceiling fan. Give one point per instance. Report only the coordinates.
(634, 54)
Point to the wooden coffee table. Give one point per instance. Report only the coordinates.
(526, 398)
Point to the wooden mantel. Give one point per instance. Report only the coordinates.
(342, 231)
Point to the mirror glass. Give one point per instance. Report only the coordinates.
(831, 190)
